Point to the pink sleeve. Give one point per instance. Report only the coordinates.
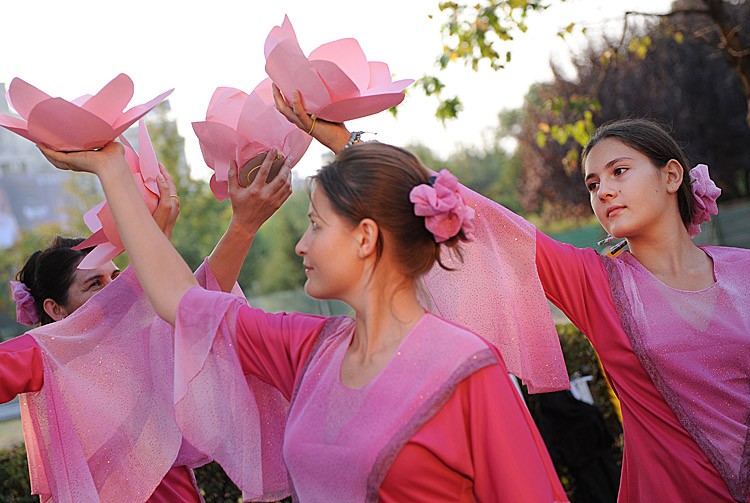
(21, 367)
(574, 280)
(509, 457)
(274, 347)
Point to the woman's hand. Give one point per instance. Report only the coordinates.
(333, 135)
(109, 159)
(254, 204)
(168, 208)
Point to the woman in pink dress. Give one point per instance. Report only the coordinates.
(393, 404)
(98, 413)
(669, 320)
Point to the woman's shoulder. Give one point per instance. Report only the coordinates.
(728, 253)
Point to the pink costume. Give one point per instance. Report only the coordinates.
(100, 412)
(677, 360)
(442, 422)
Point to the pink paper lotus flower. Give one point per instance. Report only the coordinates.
(336, 81)
(144, 168)
(240, 126)
(86, 123)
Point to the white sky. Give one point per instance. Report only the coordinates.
(73, 47)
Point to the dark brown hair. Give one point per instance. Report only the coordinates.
(654, 142)
(49, 273)
(373, 180)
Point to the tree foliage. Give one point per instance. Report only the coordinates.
(476, 32)
(704, 109)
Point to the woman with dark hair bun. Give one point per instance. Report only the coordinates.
(392, 404)
(669, 320)
(96, 376)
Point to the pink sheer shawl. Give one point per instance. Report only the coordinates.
(102, 427)
(242, 421)
(695, 346)
(495, 291)
(341, 440)
(105, 427)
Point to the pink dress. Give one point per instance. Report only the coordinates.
(448, 428)
(681, 368)
(22, 371)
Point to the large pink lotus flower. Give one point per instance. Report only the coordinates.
(106, 240)
(336, 81)
(86, 123)
(240, 126)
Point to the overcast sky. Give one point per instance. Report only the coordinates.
(74, 47)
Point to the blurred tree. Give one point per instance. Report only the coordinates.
(707, 107)
(475, 32)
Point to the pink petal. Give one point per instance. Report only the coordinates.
(338, 83)
(149, 165)
(16, 125)
(348, 56)
(296, 144)
(63, 126)
(226, 106)
(96, 239)
(91, 219)
(138, 111)
(109, 103)
(290, 71)
(218, 144)
(220, 189)
(390, 88)
(279, 34)
(361, 106)
(100, 256)
(380, 74)
(23, 97)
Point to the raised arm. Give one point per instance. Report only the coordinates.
(251, 207)
(162, 272)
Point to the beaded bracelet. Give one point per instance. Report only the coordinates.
(354, 138)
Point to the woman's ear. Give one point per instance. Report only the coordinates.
(675, 172)
(54, 310)
(367, 237)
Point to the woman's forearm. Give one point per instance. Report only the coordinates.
(164, 275)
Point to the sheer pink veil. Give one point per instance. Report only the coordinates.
(495, 291)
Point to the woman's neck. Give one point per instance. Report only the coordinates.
(670, 255)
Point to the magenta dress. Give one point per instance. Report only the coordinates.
(681, 368)
(442, 421)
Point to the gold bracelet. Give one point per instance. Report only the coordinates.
(314, 118)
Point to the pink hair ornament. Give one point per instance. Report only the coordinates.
(86, 123)
(705, 193)
(242, 128)
(145, 168)
(336, 80)
(446, 214)
(26, 312)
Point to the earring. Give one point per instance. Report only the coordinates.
(605, 241)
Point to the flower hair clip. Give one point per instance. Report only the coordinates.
(705, 193)
(446, 214)
(26, 313)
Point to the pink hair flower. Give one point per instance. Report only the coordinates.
(240, 126)
(336, 80)
(445, 212)
(145, 168)
(26, 312)
(86, 123)
(705, 193)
